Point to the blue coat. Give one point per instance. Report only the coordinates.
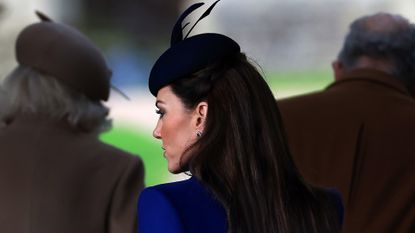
(186, 207)
(180, 207)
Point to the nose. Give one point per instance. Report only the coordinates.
(156, 131)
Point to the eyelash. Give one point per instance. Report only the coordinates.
(159, 112)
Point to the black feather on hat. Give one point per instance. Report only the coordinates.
(189, 54)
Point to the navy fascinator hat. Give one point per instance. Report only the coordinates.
(189, 54)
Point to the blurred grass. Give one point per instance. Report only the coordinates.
(142, 144)
(283, 84)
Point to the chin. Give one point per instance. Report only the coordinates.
(177, 170)
(173, 171)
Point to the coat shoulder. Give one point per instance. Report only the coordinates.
(186, 202)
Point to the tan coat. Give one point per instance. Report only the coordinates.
(55, 179)
(359, 136)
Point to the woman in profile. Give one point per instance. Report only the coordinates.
(220, 122)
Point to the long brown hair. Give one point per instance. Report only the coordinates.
(243, 157)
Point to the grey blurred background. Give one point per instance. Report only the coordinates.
(299, 37)
(281, 35)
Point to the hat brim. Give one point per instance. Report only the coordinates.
(189, 56)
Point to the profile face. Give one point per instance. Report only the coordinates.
(174, 128)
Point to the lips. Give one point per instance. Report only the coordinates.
(164, 152)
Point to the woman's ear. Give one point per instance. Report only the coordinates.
(200, 114)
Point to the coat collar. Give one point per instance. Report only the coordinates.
(371, 76)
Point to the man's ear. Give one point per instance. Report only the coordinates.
(200, 114)
(338, 69)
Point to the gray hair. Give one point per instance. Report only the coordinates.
(382, 36)
(31, 92)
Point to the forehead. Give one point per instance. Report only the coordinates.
(171, 103)
(165, 93)
(166, 96)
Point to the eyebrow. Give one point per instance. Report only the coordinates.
(159, 102)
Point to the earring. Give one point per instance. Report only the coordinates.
(198, 133)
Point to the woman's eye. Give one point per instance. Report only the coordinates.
(159, 112)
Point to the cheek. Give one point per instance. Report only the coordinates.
(176, 124)
(177, 136)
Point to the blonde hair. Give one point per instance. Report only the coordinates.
(31, 92)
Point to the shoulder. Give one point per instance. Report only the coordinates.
(188, 195)
(127, 165)
(111, 154)
(295, 109)
(180, 188)
(304, 100)
(189, 205)
(109, 162)
(180, 195)
(161, 202)
(169, 191)
(156, 213)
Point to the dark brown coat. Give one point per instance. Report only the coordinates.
(359, 135)
(55, 179)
